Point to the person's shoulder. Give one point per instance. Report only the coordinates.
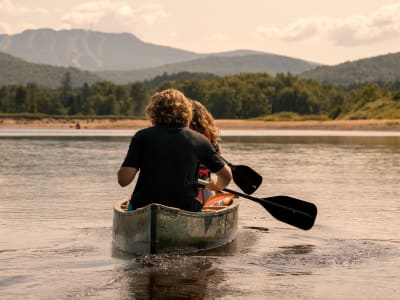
(192, 132)
(146, 130)
(195, 135)
(141, 133)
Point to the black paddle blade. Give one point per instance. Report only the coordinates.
(290, 210)
(246, 178)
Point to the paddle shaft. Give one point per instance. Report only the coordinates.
(269, 202)
(295, 212)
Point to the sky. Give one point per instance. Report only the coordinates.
(322, 31)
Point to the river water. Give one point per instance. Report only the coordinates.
(57, 189)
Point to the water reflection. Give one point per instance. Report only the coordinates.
(170, 277)
(297, 249)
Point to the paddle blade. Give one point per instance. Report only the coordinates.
(290, 210)
(287, 209)
(246, 178)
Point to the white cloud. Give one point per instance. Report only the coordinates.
(125, 10)
(302, 29)
(16, 17)
(88, 13)
(355, 30)
(150, 13)
(108, 12)
(380, 26)
(10, 8)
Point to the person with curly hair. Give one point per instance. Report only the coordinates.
(167, 156)
(203, 122)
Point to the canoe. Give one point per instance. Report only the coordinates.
(157, 228)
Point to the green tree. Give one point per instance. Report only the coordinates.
(5, 101)
(66, 89)
(32, 99)
(139, 96)
(21, 99)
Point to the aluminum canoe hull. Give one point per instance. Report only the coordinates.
(158, 229)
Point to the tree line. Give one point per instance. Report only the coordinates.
(236, 96)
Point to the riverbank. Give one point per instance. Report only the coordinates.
(372, 125)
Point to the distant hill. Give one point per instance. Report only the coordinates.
(384, 68)
(17, 71)
(99, 51)
(89, 50)
(226, 63)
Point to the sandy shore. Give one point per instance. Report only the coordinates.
(380, 125)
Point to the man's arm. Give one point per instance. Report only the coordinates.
(126, 175)
(222, 179)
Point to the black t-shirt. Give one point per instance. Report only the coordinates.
(168, 159)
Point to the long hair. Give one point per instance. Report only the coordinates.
(203, 122)
(170, 108)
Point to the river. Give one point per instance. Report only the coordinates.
(57, 189)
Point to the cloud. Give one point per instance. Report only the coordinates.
(355, 30)
(8, 7)
(300, 30)
(89, 13)
(113, 13)
(380, 26)
(15, 17)
(150, 13)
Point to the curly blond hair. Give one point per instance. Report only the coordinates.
(203, 122)
(170, 108)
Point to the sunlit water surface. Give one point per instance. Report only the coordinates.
(57, 188)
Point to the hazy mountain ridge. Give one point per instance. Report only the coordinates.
(383, 68)
(89, 50)
(94, 50)
(226, 64)
(17, 71)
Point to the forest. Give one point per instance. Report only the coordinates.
(256, 95)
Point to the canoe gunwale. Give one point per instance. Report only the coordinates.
(214, 210)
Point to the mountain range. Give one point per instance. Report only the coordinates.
(122, 57)
(89, 50)
(98, 51)
(45, 55)
(219, 64)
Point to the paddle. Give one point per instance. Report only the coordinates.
(245, 177)
(292, 211)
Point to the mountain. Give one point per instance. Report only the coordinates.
(99, 51)
(218, 64)
(17, 71)
(90, 50)
(384, 68)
